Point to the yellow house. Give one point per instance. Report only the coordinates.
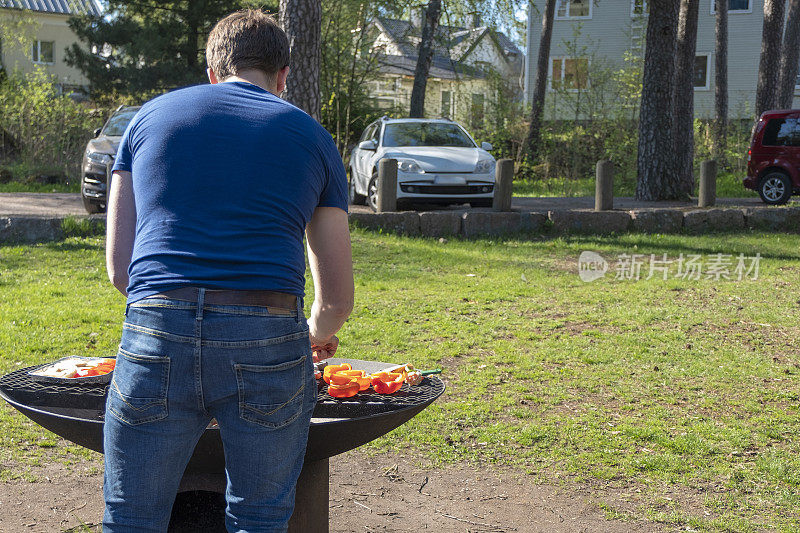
(35, 35)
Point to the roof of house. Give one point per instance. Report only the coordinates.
(61, 7)
(441, 67)
(450, 39)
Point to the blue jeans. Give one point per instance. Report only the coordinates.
(179, 365)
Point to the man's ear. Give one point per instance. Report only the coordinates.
(281, 79)
(212, 77)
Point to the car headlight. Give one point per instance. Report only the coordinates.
(484, 166)
(409, 166)
(97, 157)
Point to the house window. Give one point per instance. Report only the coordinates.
(476, 110)
(639, 8)
(735, 6)
(385, 86)
(571, 73)
(700, 77)
(573, 9)
(446, 104)
(42, 52)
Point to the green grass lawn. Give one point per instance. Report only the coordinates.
(728, 186)
(15, 186)
(650, 387)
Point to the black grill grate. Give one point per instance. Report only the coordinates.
(368, 403)
(23, 389)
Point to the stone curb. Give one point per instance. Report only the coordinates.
(713, 219)
(29, 229)
(402, 223)
(22, 229)
(592, 222)
(438, 224)
(773, 218)
(656, 221)
(477, 223)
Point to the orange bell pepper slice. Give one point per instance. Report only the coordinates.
(343, 391)
(358, 375)
(387, 382)
(339, 379)
(330, 369)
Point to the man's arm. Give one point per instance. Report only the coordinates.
(121, 229)
(331, 262)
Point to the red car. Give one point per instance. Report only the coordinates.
(773, 161)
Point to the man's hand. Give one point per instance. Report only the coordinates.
(323, 350)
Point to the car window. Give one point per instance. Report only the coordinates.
(781, 132)
(375, 133)
(368, 133)
(425, 134)
(118, 122)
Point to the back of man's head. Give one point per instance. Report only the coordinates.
(244, 40)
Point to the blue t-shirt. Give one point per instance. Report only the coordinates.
(225, 179)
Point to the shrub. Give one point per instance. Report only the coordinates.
(44, 132)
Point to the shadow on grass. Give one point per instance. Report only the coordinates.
(690, 243)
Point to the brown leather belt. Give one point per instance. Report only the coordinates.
(230, 297)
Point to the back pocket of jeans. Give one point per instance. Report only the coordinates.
(138, 390)
(271, 395)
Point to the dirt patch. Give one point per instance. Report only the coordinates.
(369, 493)
(61, 499)
(390, 493)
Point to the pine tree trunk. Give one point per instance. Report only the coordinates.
(530, 147)
(766, 92)
(721, 79)
(684, 95)
(655, 162)
(424, 57)
(790, 55)
(301, 20)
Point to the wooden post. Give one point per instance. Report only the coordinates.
(604, 186)
(387, 185)
(707, 195)
(311, 498)
(503, 185)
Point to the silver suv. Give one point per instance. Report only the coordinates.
(438, 162)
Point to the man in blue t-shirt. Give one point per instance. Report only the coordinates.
(213, 189)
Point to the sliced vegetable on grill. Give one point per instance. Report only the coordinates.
(359, 376)
(330, 369)
(387, 382)
(337, 389)
(414, 378)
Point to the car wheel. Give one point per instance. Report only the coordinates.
(352, 196)
(775, 188)
(372, 192)
(92, 207)
(483, 202)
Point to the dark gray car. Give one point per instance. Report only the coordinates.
(99, 155)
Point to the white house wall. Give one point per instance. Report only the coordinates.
(486, 52)
(386, 45)
(608, 34)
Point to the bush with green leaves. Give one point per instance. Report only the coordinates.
(43, 132)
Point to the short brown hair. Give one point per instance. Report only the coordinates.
(247, 39)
